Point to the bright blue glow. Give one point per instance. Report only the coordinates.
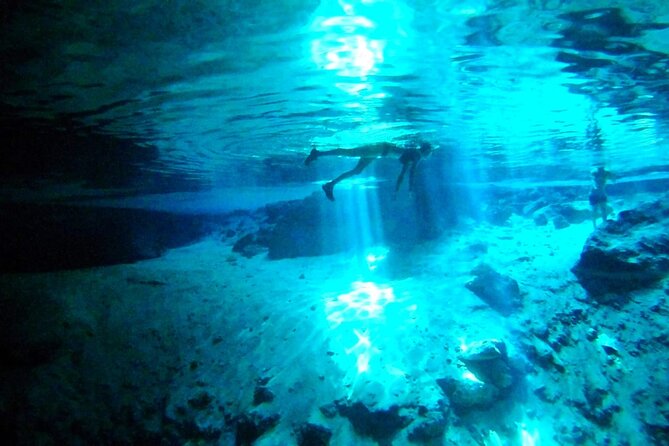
(352, 39)
(528, 438)
(366, 301)
(376, 256)
(345, 47)
(352, 311)
(362, 349)
(358, 219)
(370, 324)
(469, 376)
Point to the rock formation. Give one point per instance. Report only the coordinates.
(626, 254)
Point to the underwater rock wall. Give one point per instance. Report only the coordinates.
(49, 237)
(314, 226)
(42, 237)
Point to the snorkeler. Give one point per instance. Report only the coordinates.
(368, 153)
(598, 198)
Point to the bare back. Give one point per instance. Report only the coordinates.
(377, 150)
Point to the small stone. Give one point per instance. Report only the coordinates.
(262, 395)
(591, 334)
(560, 222)
(544, 394)
(540, 220)
(428, 430)
(250, 427)
(264, 380)
(484, 350)
(313, 435)
(540, 332)
(608, 344)
(329, 410)
(545, 356)
(200, 401)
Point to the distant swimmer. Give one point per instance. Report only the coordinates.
(368, 153)
(598, 198)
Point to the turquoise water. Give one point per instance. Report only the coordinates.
(172, 272)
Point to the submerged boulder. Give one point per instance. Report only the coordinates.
(379, 424)
(497, 290)
(466, 392)
(251, 426)
(626, 254)
(249, 245)
(311, 434)
(488, 360)
(429, 428)
(485, 376)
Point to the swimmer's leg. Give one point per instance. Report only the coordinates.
(604, 211)
(315, 154)
(328, 187)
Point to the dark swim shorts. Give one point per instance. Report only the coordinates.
(410, 156)
(597, 197)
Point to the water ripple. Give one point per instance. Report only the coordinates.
(213, 86)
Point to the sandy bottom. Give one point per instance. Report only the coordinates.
(380, 329)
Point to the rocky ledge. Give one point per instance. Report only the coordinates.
(626, 254)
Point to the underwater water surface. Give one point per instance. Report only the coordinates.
(545, 88)
(174, 274)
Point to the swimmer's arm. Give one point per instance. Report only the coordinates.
(412, 175)
(400, 177)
